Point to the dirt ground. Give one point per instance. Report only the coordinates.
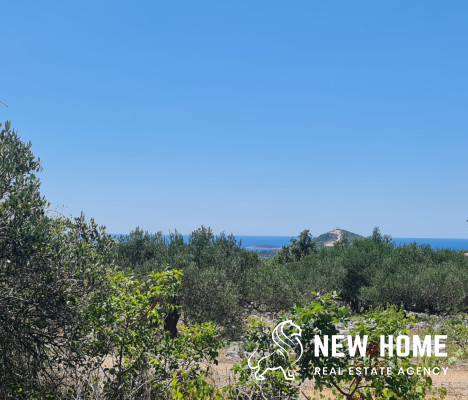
(456, 381)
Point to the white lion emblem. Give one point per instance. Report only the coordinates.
(283, 342)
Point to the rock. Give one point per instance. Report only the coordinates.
(232, 351)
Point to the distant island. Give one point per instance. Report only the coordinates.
(264, 247)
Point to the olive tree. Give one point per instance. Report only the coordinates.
(49, 267)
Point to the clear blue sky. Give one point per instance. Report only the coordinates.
(253, 117)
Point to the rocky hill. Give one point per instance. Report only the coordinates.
(329, 238)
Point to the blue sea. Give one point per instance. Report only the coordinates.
(259, 243)
(272, 242)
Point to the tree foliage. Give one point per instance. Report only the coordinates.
(298, 249)
(374, 271)
(49, 268)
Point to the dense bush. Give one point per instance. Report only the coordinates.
(129, 353)
(217, 283)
